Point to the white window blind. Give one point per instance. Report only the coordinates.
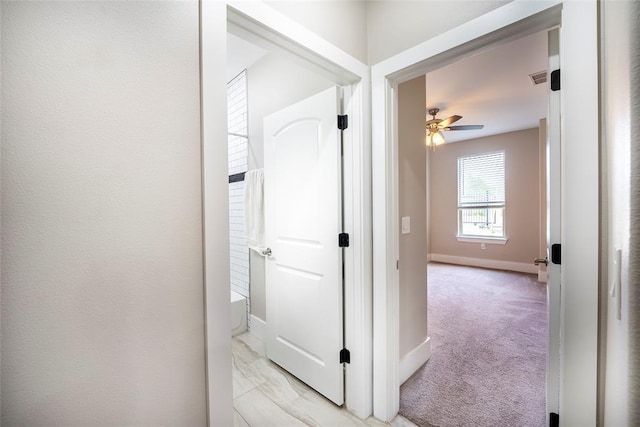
(481, 195)
(481, 180)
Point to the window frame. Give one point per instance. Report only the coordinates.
(481, 238)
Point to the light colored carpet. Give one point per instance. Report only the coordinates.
(488, 361)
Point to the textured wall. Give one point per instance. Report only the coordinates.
(522, 212)
(102, 290)
(412, 201)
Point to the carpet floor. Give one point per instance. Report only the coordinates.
(488, 332)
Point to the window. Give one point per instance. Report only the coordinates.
(481, 198)
(238, 141)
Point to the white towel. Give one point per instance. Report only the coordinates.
(254, 209)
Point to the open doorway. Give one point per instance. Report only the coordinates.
(485, 208)
(287, 73)
(266, 81)
(501, 26)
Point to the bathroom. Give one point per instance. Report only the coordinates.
(261, 81)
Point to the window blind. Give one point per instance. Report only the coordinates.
(481, 180)
(237, 126)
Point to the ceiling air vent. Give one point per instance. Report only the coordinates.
(539, 77)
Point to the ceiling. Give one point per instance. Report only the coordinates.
(492, 89)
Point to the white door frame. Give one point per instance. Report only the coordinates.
(580, 193)
(260, 21)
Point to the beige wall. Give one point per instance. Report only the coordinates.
(412, 203)
(102, 288)
(542, 164)
(273, 83)
(394, 26)
(522, 212)
(342, 22)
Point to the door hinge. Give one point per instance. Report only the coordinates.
(397, 264)
(556, 253)
(343, 121)
(555, 80)
(343, 240)
(345, 356)
(554, 419)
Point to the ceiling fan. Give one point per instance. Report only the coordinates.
(436, 126)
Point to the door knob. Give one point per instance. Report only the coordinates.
(267, 252)
(539, 261)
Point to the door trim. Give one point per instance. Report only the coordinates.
(263, 24)
(579, 316)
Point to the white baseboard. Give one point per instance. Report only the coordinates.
(414, 360)
(258, 327)
(542, 276)
(486, 263)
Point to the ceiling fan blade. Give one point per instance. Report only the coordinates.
(446, 122)
(465, 127)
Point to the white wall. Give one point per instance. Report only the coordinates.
(634, 243)
(579, 109)
(102, 316)
(213, 46)
(375, 30)
(274, 83)
(394, 26)
(616, 101)
(342, 22)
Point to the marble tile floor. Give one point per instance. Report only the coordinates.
(265, 395)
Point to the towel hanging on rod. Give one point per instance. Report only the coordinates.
(254, 209)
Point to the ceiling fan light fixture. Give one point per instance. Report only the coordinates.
(437, 138)
(427, 139)
(434, 137)
(435, 126)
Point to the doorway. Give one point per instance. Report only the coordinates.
(265, 27)
(495, 29)
(471, 222)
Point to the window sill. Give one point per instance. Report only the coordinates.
(479, 239)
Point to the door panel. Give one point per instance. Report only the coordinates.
(302, 222)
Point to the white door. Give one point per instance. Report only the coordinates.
(553, 231)
(303, 216)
